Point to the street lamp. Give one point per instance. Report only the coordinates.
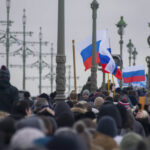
(134, 53)
(61, 58)
(8, 3)
(24, 48)
(7, 32)
(121, 25)
(94, 6)
(130, 50)
(148, 65)
(148, 62)
(40, 60)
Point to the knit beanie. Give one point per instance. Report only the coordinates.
(34, 122)
(107, 126)
(130, 141)
(25, 138)
(66, 139)
(4, 73)
(124, 101)
(86, 92)
(63, 115)
(83, 132)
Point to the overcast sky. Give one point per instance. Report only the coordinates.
(78, 25)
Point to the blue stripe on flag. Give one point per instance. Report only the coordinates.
(133, 73)
(114, 72)
(104, 59)
(87, 52)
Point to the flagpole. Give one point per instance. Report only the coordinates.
(74, 66)
(113, 86)
(108, 84)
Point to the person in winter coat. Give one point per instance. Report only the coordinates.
(8, 93)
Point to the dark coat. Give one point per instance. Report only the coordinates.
(8, 94)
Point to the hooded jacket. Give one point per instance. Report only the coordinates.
(8, 93)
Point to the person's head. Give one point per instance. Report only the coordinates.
(4, 73)
(24, 138)
(26, 94)
(98, 102)
(109, 98)
(130, 141)
(44, 95)
(32, 122)
(85, 94)
(124, 101)
(89, 80)
(21, 108)
(63, 115)
(40, 103)
(50, 124)
(107, 126)
(66, 139)
(73, 96)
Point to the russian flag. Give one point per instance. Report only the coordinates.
(103, 54)
(133, 74)
(85, 49)
(107, 62)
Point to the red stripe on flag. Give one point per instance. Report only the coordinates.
(118, 74)
(134, 79)
(88, 62)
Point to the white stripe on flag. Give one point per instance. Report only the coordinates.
(133, 68)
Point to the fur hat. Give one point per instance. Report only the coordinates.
(107, 126)
(25, 137)
(104, 141)
(4, 73)
(98, 102)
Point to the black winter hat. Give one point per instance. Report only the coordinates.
(60, 142)
(107, 126)
(109, 109)
(63, 115)
(4, 73)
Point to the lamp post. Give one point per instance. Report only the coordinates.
(134, 53)
(40, 60)
(7, 32)
(52, 74)
(121, 25)
(130, 50)
(148, 62)
(24, 48)
(148, 65)
(60, 58)
(94, 6)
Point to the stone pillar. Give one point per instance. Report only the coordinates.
(94, 6)
(148, 65)
(60, 58)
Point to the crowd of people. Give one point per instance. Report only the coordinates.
(84, 121)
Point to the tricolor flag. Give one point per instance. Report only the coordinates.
(85, 48)
(106, 59)
(103, 54)
(133, 74)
